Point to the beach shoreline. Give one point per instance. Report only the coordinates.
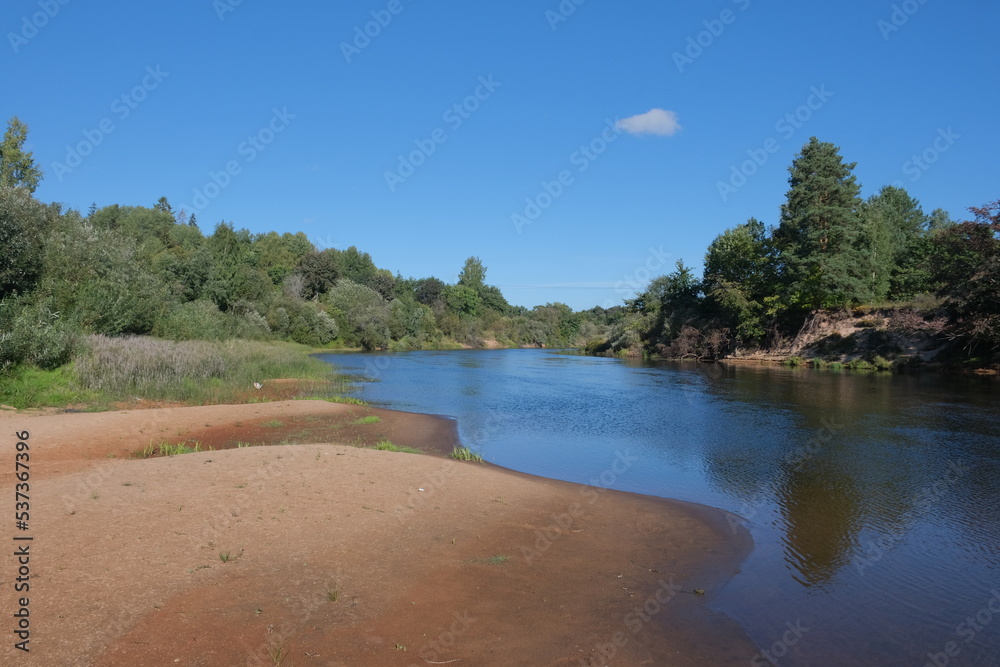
(330, 554)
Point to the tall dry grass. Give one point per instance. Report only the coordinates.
(191, 371)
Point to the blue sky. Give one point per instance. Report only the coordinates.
(127, 102)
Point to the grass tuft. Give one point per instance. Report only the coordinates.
(465, 454)
(389, 446)
(168, 449)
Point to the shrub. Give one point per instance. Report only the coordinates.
(364, 312)
(98, 280)
(36, 335)
(195, 320)
(881, 363)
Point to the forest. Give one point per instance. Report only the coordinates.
(126, 270)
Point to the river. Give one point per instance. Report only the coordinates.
(873, 499)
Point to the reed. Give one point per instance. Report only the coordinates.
(192, 371)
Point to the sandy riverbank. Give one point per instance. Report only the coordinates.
(334, 556)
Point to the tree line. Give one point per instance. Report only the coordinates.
(831, 250)
(137, 270)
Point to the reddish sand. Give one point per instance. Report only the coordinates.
(341, 555)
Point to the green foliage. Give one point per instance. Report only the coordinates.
(822, 260)
(185, 270)
(389, 446)
(465, 454)
(831, 250)
(739, 276)
(96, 278)
(429, 291)
(462, 300)
(357, 266)
(280, 255)
(163, 205)
(665, 306)
(202, 320)
(881, 363)
(135, 270)
(24, 223)
(557, 323)
(319, 271)
(362, 312)
(893, 230)
(17, 168)
(191, 371)
(33, 333)
(30, 387)
(473, 274)
(966, 263)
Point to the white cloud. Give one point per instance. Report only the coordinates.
(655, 121)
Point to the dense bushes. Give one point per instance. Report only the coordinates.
(35, 334)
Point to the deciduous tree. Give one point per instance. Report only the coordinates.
(17, 167)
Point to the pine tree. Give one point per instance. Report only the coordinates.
(17, 168)
(821, 256)
(163, 205)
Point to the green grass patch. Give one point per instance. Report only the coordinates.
(29, 387)
(372, 419)
(274, 423)
(389, 446)
(465, 454)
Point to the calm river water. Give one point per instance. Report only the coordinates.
(873, 500)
